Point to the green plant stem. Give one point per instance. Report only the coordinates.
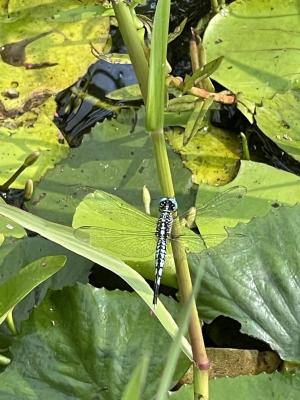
(31, 159)
(201, 379)
(11, 323)
(133, 44)
(194, 56)
(154, 98)
(162, 163)
(185, 290)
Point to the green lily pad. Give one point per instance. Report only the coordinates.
(266, 187)
(21, 284)
(278, 118)
(260, 387)
(111, 158)
(264, 31)
(81, 353)
(258, 284)
(267, 32)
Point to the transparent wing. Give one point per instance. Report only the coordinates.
(113, 208)
(127, 244)
(221, 204)
(142, 244)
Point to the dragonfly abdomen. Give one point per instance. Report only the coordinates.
(163, 233)
(160, 258)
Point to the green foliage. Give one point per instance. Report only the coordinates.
(15, 254)
(258, 284)
(111, 158)
(65, 237)
(86, 343)
(18, 286)
(83, 342)
(267, 32)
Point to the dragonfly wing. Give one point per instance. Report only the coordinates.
(106, 210)
(122, 243)
(195, 243)
(221, 204)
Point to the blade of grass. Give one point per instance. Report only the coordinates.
(134, 388)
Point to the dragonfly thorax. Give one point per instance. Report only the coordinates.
(168, 204)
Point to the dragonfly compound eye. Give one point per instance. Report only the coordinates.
(168, 204)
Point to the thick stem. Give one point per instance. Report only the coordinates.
(201, 362)
(162, 163)
(133, 44)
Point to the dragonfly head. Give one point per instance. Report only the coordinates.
(168, 204)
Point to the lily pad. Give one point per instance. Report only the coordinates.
(261, 387)
(258, 285)
(267, 32)
(278, 118)
(81, 353)
(264, 31)
(266, 188)
(27, 116)
(114, 158)
(66, 45)
(16, 145)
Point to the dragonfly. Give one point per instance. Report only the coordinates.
(142, 235)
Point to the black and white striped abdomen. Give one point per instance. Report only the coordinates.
(163, 233)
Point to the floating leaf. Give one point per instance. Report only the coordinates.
(114, 158)
(260, 43)
(14, 254)
(266, 188)
(278, 118)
